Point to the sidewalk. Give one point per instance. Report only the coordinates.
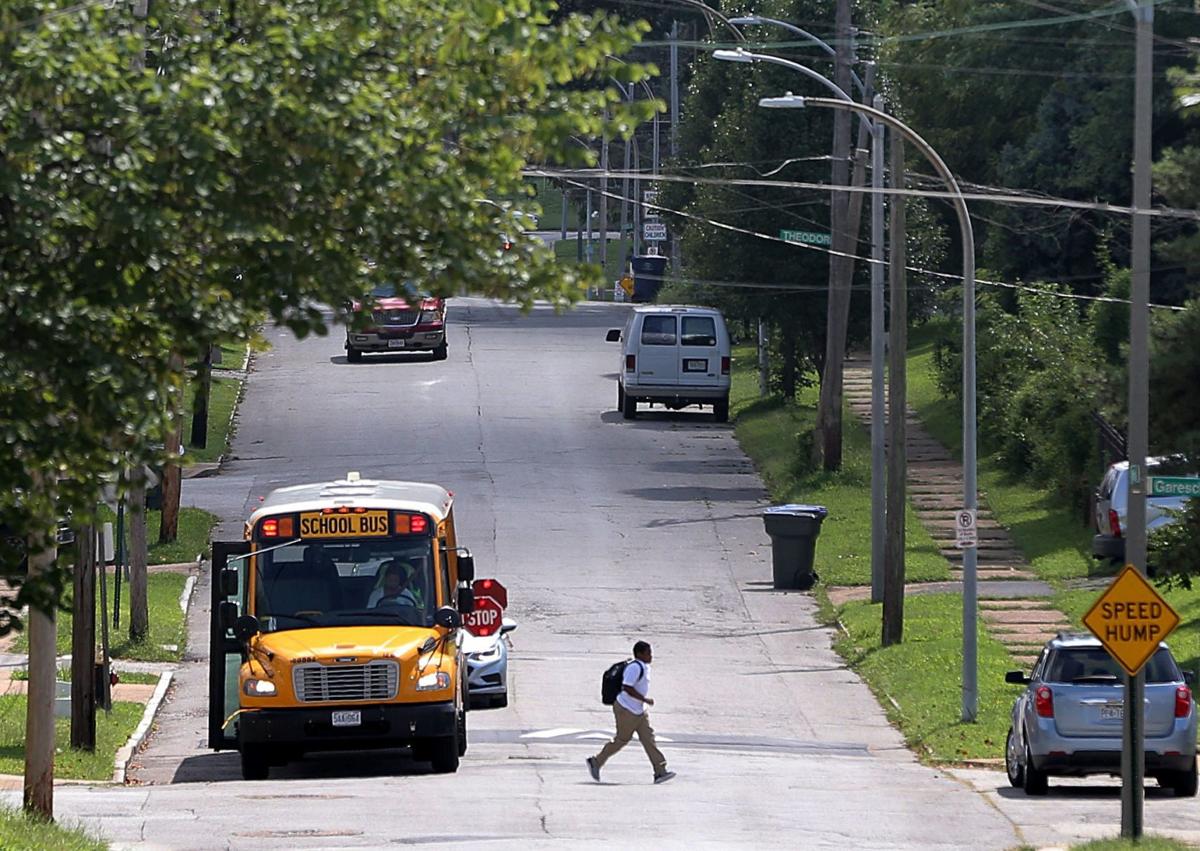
(1013, 602)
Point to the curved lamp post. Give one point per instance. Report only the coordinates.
(970, 689)
(756, 20)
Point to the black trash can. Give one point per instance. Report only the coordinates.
(793, 530)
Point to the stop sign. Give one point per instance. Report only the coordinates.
(486, 619)
(491, 588)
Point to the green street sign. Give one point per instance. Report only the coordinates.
(1174, 486)
(806, 237)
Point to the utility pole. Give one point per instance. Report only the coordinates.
(604, 198)
(200, 400)
(897, 461)
(83, 642)
(828, 443)
(566, 199)
(39, 711)
(139, 611)
(626, 200)
(675, 258)
(764, 362)
(1133, 762)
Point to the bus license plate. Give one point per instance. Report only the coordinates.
(395, 344)
(347, 718)
(1112, 712)
(695, 365)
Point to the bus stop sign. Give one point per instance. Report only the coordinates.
(491, 588)
(486, 619)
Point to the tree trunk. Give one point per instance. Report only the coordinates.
(168, 529)
(83, 642)
(39, 712)
(828, 445)
(897, 463)
(139, 610)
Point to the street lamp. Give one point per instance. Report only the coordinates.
(970, 689)
(756, 20)
(878, 494)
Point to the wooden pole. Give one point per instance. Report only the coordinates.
(897, 459)
(83, 642)
(39, 712)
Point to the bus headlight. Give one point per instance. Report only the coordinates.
(258, 688)
(434, 682)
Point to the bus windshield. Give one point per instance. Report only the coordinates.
(346, 583)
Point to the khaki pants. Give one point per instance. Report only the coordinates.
(627, 725)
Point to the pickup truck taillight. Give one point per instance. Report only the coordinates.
(631, 363)
(1114, 523)
(1183, 701)
(1043, 702)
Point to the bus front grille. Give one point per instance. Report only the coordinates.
(376, 680)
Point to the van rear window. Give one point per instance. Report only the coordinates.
(658, 330)
(698, 331)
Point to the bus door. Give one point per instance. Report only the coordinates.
(230, 572)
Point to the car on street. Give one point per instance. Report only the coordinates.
(1112, 504)
(402, 318)
(1068, 720)
(487, 666)
(674, 356)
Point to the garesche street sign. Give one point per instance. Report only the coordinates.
(1188, 486)
(1130, 618)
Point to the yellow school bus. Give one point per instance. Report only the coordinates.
(335, 626)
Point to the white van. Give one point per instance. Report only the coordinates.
(673, 356)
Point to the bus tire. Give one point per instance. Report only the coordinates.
(256, 762)
(443, 753)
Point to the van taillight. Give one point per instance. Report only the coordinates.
(630, 363)
(1043, 702)
(1114, 523)
(1183, 701)
(725, 366)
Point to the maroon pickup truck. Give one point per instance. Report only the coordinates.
(401, 320)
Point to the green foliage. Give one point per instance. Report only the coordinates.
(1173, 550)
(1174, 377)
(270, 157)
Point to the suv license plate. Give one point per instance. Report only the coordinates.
(1114, 712)
(395, 344)
(695, 365)
(347, 718)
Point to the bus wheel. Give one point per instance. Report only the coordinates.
(443, 753)
(256, 764)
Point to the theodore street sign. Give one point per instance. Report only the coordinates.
(806, 237)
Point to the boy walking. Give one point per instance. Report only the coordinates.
(630, 711)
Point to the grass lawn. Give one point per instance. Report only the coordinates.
(923, 675)
(221, 401)
(1146, 843)
(64, 675)
(1047, 529)
(113, 730)
(166, 622)
(195, 527)
(771, 433)
(20, 831)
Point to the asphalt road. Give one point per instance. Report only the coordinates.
(604, 531)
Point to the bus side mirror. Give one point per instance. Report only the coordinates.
(229, 582)
(447, 618)
(466, 567)
(466, 600)
(246, 627)
(613, 335)
(229, 615)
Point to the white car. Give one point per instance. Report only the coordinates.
(487, 666)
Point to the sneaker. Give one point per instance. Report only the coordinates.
(664, 777)
(594, 769)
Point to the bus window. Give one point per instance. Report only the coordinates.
(345, 584)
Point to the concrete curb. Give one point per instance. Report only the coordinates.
(185, 598)
(124, 756)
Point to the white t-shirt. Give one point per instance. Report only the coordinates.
(637, 674)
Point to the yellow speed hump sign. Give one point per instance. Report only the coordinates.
(1130, 618)
(627, 283)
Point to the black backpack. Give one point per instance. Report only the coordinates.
(614, 679)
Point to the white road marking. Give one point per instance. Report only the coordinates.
(553, 733)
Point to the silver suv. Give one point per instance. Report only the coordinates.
(1112, 504)
(1068, 720)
